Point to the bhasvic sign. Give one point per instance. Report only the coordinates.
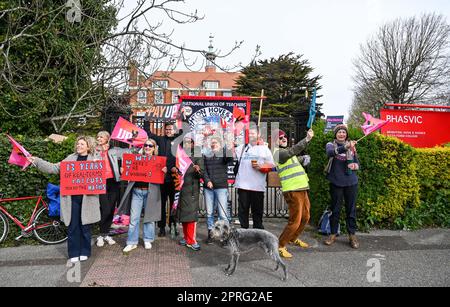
(417, 128)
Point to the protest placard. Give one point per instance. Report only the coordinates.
(82, 177)
(143, 168)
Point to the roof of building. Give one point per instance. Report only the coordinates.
(194, 80)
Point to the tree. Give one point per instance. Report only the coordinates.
(61, 61)
(406, 62)
(284, 80)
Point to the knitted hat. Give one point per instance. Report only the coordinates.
(340, 127)
(277, 133)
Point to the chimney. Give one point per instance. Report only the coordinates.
(133, 72)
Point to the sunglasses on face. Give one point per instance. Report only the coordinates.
(283, 137)
(149, 145)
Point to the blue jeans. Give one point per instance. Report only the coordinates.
(216, 200)
(139, 201)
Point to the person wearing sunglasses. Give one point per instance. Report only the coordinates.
(143, 195)
(294, 184)
(165, 144)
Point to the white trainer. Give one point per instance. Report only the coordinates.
(147, 245)
(74, 259)
(100, 242)
(83, 258)
(110, 240)
(129, 248)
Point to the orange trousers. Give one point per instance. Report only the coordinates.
(299, 214)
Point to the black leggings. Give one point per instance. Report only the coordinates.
(108, 203)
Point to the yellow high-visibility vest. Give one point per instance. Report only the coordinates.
(292, 175)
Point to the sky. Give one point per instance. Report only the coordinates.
(328, 33)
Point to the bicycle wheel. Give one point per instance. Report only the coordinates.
(49, 230)
(4, 227)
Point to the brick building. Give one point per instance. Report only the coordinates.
(166, 87)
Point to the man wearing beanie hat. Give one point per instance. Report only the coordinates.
(343, 162)
(294, 184)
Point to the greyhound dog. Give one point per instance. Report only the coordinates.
(243, 240)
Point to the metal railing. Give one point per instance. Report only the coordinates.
(274, 203)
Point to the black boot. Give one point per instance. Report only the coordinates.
(162, 232)
(209, 239)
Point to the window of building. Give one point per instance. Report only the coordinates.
(210, 93)
(193, 93)
(142, 97)
(211, 84)
(160, 84)
(175, 95)
(159, 97)
(227, 94)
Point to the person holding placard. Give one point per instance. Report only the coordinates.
(144, 195)
(108, 201)
(78, 212)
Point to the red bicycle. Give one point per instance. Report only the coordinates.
(46, 229)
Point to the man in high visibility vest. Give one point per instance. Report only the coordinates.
(294, 184)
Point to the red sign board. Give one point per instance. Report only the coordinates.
(417, 128)
(82, 177)
(143, 168)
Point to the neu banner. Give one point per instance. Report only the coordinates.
(417, 128)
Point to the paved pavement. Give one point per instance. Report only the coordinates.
(385, 258)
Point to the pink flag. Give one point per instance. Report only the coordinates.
(124, 132)
(182, 163)
(19, 154)
(371, 124)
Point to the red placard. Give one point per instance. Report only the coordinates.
(143, 168)
(82, 177)
(417, 128)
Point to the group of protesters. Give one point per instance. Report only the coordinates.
(254, 160)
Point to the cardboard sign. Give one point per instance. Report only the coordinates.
(417, 128)
(164, 112)
(143, 168)
(82, 178)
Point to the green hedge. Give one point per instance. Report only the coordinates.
(399, 186)
(17, 183)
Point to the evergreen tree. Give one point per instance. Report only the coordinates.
(284, 80)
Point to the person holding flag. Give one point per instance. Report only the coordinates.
(188, 205)
(342, 164)
(294, 184)
(78, 212)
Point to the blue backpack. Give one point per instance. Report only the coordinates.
(54, 204)
(324, 223)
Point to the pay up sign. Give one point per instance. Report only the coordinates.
(82, 178)
(143, 168)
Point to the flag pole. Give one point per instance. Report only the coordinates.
(260, 107)
(361, 138)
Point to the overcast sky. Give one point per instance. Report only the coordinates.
(327, 32)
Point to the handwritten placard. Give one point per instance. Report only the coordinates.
(82, 178)
(143, 168)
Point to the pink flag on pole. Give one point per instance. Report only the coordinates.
(371, 124)
(124, 132)
(19, 154)
(182, 163)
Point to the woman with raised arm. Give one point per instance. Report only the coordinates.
(78, 212)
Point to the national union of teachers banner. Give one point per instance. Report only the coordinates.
(208, 115)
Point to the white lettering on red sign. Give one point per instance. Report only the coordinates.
(404, 119)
